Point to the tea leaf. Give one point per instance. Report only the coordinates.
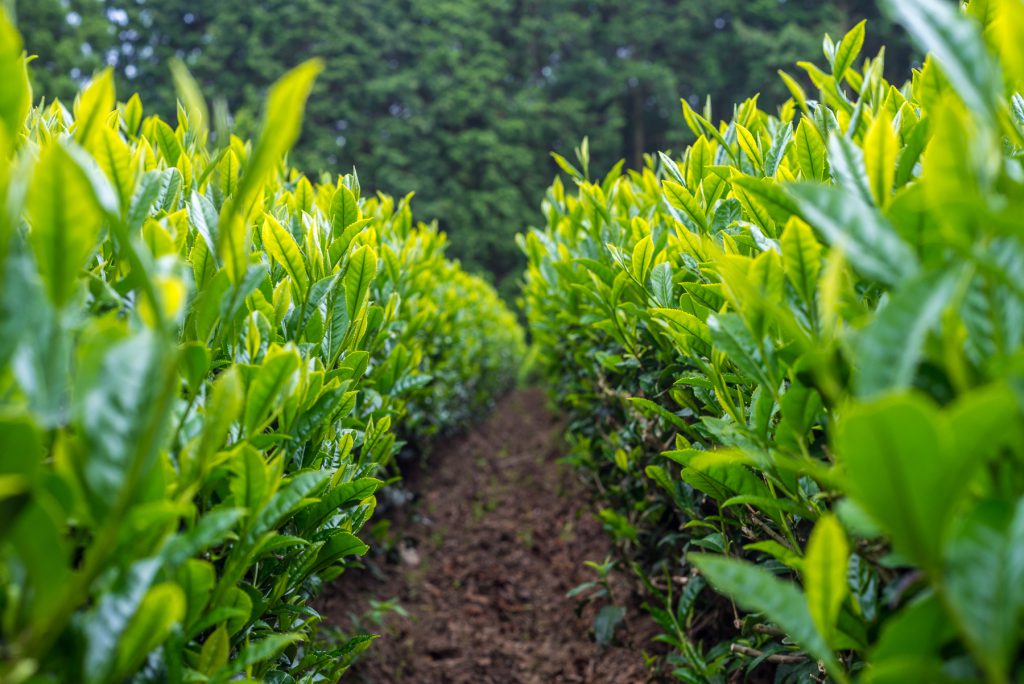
(757, 590)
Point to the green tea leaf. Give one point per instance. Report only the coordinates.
(881, 147)
(651, 408)
(848, 50)
(824, 572)
(285, 502)
(191, 96)
(755, 589)
(65, 220)
(106, 625)
(985, 576)
(643, 256)
(941, 29)
(275, 376)
(252, 484)
(256, 652)
(681, 198)
(92, 108)
(849, 171)
(731, 336)
(160, 610)
(215, 651)
(121, 409)
(661, 285)
(867, 240)
(607, 621)
(801, 258)
(282, 122)
(810, 151)
(283, 249)
(362, 269)
(344, 210)
(16, 95)
(909, 644)
(897, 454)
(889, 349)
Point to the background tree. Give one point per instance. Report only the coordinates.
(458, 100)
(71, 40)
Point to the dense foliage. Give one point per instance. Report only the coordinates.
(793, 362)
(205, 362)
(457, 100)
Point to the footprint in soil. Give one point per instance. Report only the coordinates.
(498, 536)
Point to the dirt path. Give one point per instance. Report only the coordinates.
(496, 538)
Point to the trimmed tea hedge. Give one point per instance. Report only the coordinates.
(204, 361)
(792, 358)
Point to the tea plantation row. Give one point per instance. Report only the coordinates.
(207, 363)
(792, 360)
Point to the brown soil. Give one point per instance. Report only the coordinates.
(496, 537)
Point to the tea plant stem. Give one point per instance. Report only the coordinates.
(773, 658)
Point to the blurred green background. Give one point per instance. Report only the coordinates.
(458, 100)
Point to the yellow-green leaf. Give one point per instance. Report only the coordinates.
(824, 567)
(362, 269)
(273, 378)
(810, 150)
(881, 148)
(801, 257)
(92, 108)
(227, 174)
(1008, 33)
(283, 249)
(848, 51)
(190, 96)
(233, 245)
(756, 589)
(65, 220)
(168, 142)
(115, 158)
(643, 257)
(215, 651)
(344, 210)
(162, 607)
(748, 143)
(282, 123)
(681, 198)
(16, 93)
(700, 156)
(795, 90)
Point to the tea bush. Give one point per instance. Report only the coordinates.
(792, 359)
(205, 361)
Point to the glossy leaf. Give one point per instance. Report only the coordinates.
(985, 569)
(891, 346)
(881, 148)
(16, 95)
(283, 249)
(65, 221)
(361, 271)
(858, 230)
(781, 602)
(898, 455)
(275, 377)
(957, 43)
(282, 122)
(810, 150)
(824, 573)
